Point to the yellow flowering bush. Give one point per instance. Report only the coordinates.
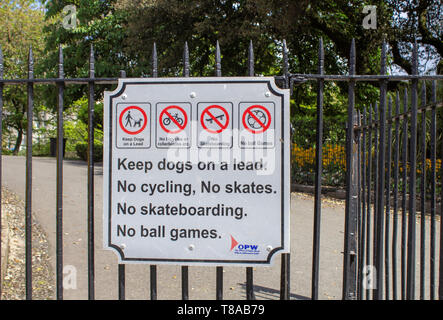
(333, 161)
(334, 165)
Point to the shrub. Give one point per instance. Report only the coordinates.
(81, 149)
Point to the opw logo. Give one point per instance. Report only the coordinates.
(240, 248)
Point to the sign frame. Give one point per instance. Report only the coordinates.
(114, 97)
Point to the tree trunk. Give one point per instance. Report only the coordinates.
(18, 142)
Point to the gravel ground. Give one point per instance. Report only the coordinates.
(14, 281)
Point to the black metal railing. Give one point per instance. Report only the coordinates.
(383, 140)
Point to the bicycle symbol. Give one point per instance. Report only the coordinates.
(173, 122)
(167, 121)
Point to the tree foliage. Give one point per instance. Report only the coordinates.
(123, 33)
(21, 27)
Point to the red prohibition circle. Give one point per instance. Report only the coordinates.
(145, 120)
(264, 127)
(222, 126)
(171, 118)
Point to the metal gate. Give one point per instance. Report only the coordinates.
(391, 183)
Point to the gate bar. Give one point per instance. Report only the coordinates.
(433, 190)
(404, 157)
(349, 255)
(153, 268)
(381, 181)
(369, 192)
(249, 270)
(318, 174)
(423, 194)
(59, 226)
(285, 257)
(410, 289)
(388, 201)
(362, 233)
(376, 186)
(440, 279)
(395, 204)
(358, 169)
(121, 266)
(185, 269)
(1, 155)
(28, 200)
(91, 251)
(219, 270)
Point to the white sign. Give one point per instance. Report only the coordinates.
(196, 171)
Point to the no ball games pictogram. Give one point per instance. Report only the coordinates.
(133, 120)
(173, 119)
(256, 119)
(214, 119)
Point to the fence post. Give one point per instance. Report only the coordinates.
(285, 257)
(249, 270)
(59, 201)
(153, 267)
(380, 204)
(218, 270)
(318, 175)
(185, 269)
(1, 154)
(28, 198)
(90, 218)
(410, 275)
(122, 267)
(351, 212)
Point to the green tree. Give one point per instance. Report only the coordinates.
(97, 23)
(123, 33)
(266, 22)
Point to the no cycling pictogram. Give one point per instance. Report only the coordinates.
(256, 119)
(132, 121)
(214, 119)
(166, 119)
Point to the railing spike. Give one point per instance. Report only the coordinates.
(397, 103)
(30, 64)
(383, 59)
(251, 59)
(218, 72)
(186, 60)
(405, 102)
(321, 56)
(91, 62)
(415, 58)
(285, 58)
(60, 62)
(352, 58)
(154, 61)
(1, 62)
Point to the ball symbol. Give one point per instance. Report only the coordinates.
(253, 123)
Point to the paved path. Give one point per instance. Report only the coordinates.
(202, 279)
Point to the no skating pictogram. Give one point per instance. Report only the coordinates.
(215, 125)
(214, 119)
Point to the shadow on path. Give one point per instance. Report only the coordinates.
(266, 293)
